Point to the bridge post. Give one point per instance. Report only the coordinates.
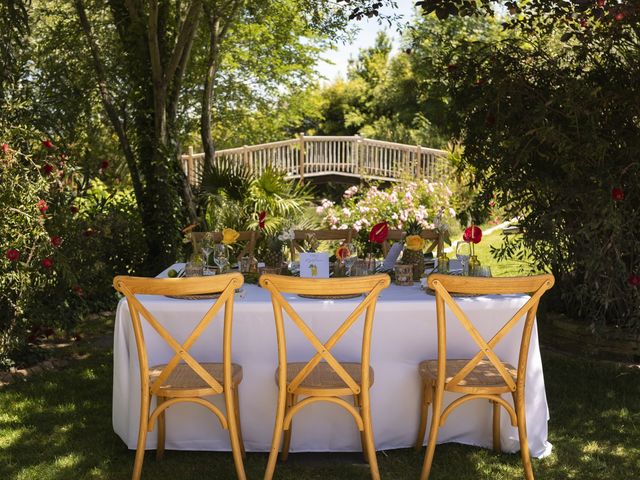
(356, 155)
(418, 172)
(190, 171)
(302, 157)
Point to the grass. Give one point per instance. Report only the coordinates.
(57, 426)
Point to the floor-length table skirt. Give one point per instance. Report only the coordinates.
(404, 333)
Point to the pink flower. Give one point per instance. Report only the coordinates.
(13, 255)
(5, 148)
(617, 194)
(47, 262)
(47, 168)
(47, 144)
(56, 241)
(42, 206)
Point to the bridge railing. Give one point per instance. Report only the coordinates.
(312, 156)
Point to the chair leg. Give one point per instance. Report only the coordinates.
(161, 431)
(496, 427)
(277, 434)
(142, 436)
(518, 399)
(357, 403)
(291, 401)
(236, 406)
(425, 401)
(233, 431)
(433, 433)
(365, 409)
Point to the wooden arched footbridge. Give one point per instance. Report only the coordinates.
(330, 157)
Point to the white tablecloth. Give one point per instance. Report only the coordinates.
(404, 333)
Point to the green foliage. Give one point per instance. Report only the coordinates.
(552, 129)
(61, 244)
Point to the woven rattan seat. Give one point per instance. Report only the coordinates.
(184, 378)
(324, 377)
(483, 375)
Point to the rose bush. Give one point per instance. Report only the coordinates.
(51, 272)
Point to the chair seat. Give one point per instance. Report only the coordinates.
(183, 380)
(483, 375)
(324, 377)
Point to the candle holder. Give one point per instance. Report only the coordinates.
(403, 274)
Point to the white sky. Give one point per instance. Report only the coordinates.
(369, 27)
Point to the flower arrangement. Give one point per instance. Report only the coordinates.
(472, 235)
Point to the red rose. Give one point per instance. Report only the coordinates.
(379, 232)
(47, 168)
(47, 144)
(261, 217)
(617, 194)
(77, 289)
(73, 209)
(634, 280)
(5, 148)
(42, 206)
(47, 262)
(56, 241)
(104, 165)
(13, 254)
(472, 234)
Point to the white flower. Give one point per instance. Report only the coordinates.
(320, 209)
(350, 192)
(452, 212)
(346, 212)
(287, 235)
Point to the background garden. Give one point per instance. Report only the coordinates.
(536, 102)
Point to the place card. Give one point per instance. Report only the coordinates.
(314, 265)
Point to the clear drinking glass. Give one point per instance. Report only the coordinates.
(206, 245)
(351, 259)
(221, 257)
(194, 267)
(482, 271)
(463, 251)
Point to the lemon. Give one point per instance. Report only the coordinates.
(172, 273)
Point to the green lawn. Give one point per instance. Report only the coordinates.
(58, 426)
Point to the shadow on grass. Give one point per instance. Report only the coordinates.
(58, 427)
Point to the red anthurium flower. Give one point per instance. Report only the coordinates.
(634, 280)
(56, 241)
(77, 289)
(472, 234)
(47, 168)
(620, 16)
(5, 148)
(13, 254)
(47, 144)
(42, 206)
(617, 194)
(73, 209)
(47, 262)
(261, 218)
(104, 165)
(379, 232)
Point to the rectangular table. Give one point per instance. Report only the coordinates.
(404, 333)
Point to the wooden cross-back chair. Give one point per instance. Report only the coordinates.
(399, 235)
(484, 375)
(345, 235)
(183, 378)
(323, 378)
(250, 237)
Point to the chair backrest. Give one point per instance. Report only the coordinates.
(249, 236)
(445, 285)
(345, 235)
(399, 235)
(370, 285)
(223, 284)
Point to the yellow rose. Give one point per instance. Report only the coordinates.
(229, 236)
(414, 243)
